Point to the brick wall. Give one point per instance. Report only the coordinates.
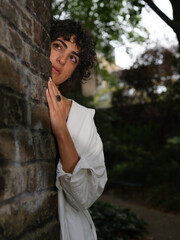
(28, 198)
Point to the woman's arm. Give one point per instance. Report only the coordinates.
(58, 115)
(82, 177)
(68, 153)
(84, 186)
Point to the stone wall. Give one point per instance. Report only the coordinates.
(28, 198)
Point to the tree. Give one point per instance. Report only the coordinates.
(108, 20)
(151, 69)
(175, 22)
(114, 20)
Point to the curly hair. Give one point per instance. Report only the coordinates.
(84, 40)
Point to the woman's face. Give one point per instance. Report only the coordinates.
(64, 57)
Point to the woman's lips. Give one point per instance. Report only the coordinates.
(55, 70)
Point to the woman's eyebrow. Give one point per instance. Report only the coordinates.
(75, 53)
(62, 43)
(65, 45)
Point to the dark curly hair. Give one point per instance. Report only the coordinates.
(84, 40)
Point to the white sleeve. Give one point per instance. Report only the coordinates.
(85, 185)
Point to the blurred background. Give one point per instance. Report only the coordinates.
(135, 90)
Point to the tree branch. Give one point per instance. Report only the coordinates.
(162, 15)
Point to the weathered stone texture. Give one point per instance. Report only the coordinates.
(49, 231)
(13, 111)
(27, 213)
(28, 198)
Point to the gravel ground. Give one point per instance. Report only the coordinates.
(161, 226)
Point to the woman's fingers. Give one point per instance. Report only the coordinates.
(48, 97)
(57, 109)
(52, 94)
(50, 104)
(56, 91)
(53, 90)
(58, 106)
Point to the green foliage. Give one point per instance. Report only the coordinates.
(163, 176)
(127, 172)
(106, 124)
(110, 20)
(173, 143)
(123, 135)
(142, 147)
(116, 223)
(153, 68)
(172, 93)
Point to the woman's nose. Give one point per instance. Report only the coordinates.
(62, 59)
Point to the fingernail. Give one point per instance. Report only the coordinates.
(50, 79)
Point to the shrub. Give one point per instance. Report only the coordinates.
(142, 148)
(114, 223)
(163, 177)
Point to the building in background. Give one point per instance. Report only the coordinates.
(99, 87)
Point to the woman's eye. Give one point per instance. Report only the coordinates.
(73, 59)
(57, 46)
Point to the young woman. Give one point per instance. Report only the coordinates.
(81, 173)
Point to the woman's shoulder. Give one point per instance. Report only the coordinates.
(81, 124)
(82, 110)
(82, 127)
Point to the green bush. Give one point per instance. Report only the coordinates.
(114, 223)
(142, 145)
(163, 177)
(158, 173)
(125, 173)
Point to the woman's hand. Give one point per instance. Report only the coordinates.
(58, 115)
(57, 110)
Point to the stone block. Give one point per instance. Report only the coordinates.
(7, 146)
(26, 56)
(13, 75)
(36, 89)
(40, 117)
(13, 110)
(13, 182)
(25, 21)
(16, 43)
(45, 146)
(40, 63)
(24, 141)
(12, 41)
(34, 54)
(16, 146)
(17, 16)
(27, 213)
(41, 37)
(37, 33)
(49, 231)
(38, 8)
(8, 11)
(40, 176)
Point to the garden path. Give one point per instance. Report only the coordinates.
(161, 226)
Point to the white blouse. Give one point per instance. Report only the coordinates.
(79, 190)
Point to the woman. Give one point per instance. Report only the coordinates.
(81, 173)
